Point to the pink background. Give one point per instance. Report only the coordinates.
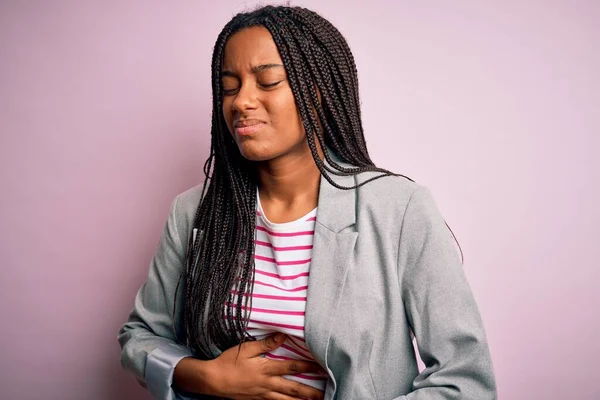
(104, 118)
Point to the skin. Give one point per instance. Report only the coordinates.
(245, 374)
(257, 90)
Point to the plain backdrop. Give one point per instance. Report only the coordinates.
(105, 117)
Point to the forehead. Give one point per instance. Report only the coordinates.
(250, 47)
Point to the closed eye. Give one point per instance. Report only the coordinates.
(229, 92)
(270, 85)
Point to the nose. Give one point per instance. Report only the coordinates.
(245, 99)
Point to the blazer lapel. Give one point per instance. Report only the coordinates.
(333, 245)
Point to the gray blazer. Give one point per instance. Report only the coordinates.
(384, 268)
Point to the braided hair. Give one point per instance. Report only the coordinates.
(219, 267)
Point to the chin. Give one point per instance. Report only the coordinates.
(256, 153)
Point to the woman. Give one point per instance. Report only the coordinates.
(297, 246)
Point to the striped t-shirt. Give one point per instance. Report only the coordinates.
(282, 262)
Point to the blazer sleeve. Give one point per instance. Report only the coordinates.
(441, 309)
(149, 347)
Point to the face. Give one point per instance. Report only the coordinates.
(258, 104)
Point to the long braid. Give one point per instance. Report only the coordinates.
(219, 268)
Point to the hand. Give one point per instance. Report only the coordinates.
(241, 374)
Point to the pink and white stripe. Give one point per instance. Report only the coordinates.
(282, 266)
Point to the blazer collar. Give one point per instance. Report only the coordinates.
(337, 207)
(332, 258)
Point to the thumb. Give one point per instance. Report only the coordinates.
(266, 345)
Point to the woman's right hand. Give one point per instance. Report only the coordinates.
(242, 374)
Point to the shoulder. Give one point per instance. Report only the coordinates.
(183, 209)
(190, 198)
(394, 196)
(387, 189)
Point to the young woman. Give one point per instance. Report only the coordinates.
(299, 269)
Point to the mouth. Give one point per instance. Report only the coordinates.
(245, 128)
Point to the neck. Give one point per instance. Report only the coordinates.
(290, 180)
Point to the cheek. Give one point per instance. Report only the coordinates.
(284, 114)
(227, 113)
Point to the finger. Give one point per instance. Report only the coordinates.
(265, 345)
(291, 367)
(280, 396)
(294, 389)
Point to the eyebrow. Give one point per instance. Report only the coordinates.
(255, 70)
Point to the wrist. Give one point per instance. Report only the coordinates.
(194, 376)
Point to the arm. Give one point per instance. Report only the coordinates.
(441, 309)
(150, 349)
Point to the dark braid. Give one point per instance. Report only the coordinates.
(219, 264)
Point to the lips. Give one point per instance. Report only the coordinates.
(248, 127)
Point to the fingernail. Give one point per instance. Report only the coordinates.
(278, 337)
